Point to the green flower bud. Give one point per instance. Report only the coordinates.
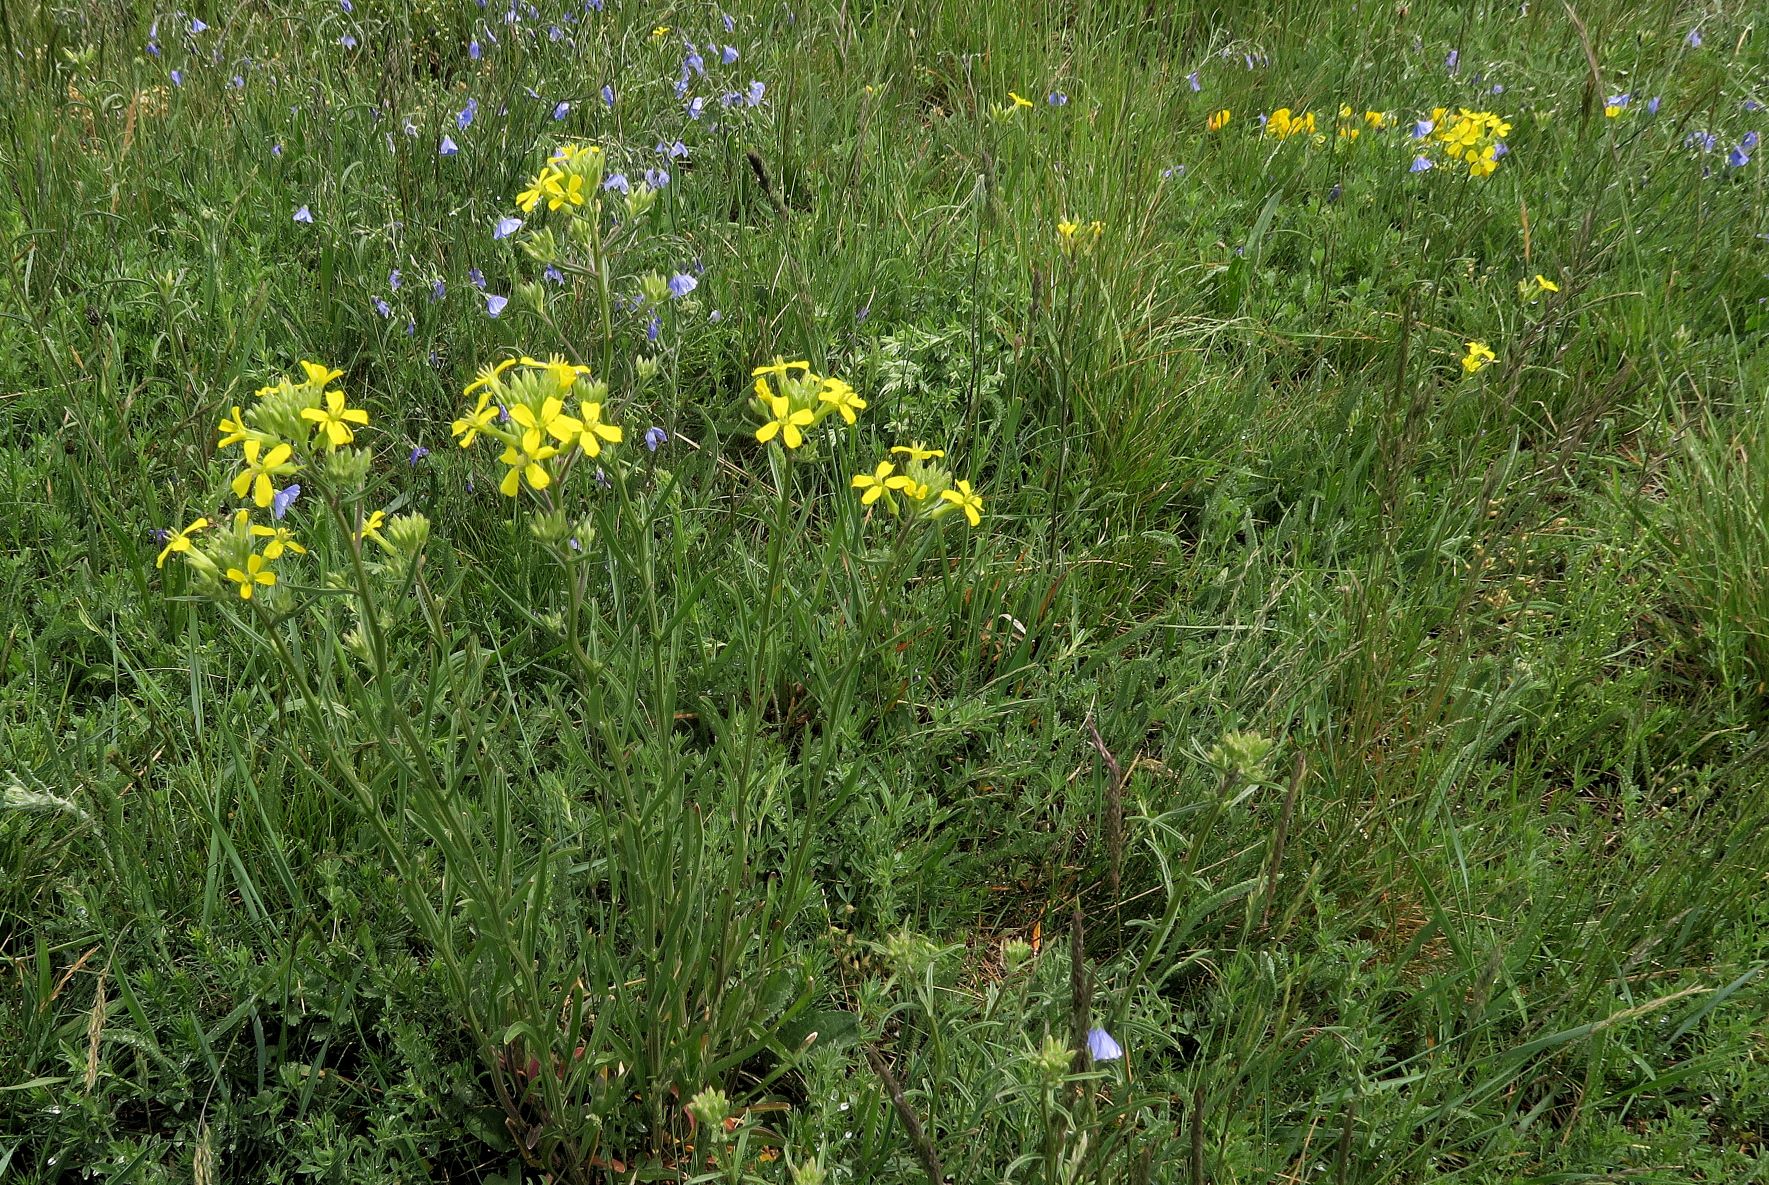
(541, 246)
(346, 469)
(655, 287)
(1051, 1060)
(1242, 754)
(407, 533)
(710, 1108)
(640, 200)
(910, 955)
(549, 527)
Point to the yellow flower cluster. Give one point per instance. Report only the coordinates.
(1283, 123)
(804, 399)
(569, 179)
(1079, 236)
(1349, 120)
(1474, 137)
(1218, 119)
(294, 425)
(1479, 354)
(927, 488)
(525, 412)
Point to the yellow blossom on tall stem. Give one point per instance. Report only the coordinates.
(592, 431)
(568, 191)
(777, 367)
(966, 500)
(537, 425)
(488, 376)
(526, 466)
(281, 539)
(234, 429)
(371, 528)
(319, 376)
(537, 189)
(874, 484)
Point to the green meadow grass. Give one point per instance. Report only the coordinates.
(1374, 749)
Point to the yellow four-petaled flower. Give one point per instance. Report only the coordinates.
(260, 470)
(842, 397)
(966, 500)
(180, 542)
(786, 422)
(256, 572)
(335, 419)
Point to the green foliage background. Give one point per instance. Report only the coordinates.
(1493, 909)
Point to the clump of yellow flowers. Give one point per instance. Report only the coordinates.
(927, 489)
(570, 182)
(295, 427)
(797, 399)
(522, 404)
(1283, 123)
(1348, 121)
(1474, 137)
(1079, 236)
(1479, 355)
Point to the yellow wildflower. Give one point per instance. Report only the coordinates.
(281, 539)
(566, 191)
(842, 397)
(786, 422)
(488, 376)
(1019, 101)
(966, 500)
(537, 425)
(537, 189)
(235, 429)
(1219, 120)
(526, 465)
(780, 368)
(591, 431)
(476, 421)
(180, 542)
(1545, 284)
(335, 419)
(1478, 356)
(371, 528)
(875, 483)
(257, 571)
(319, 376)
(261, 467)
(915, 451)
